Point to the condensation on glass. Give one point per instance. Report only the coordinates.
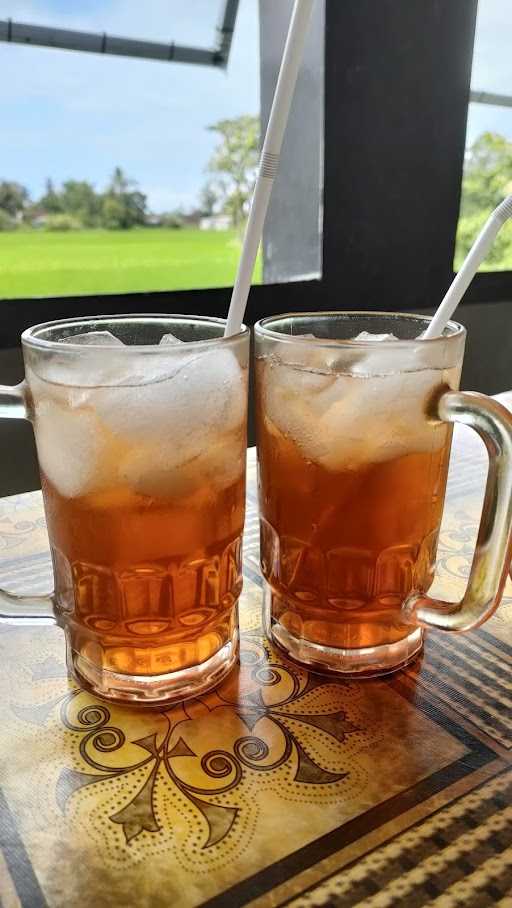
(353, 450)
(140, 427)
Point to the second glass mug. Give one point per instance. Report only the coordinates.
(354, 444)
(141, 442)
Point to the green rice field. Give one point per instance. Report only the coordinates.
(34, 263)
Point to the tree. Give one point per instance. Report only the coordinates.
(172, 219)
(123, 206)
(120, 184)
(61, 222)
(6, 222)
(113, 213)
(234, 163)
(487, 180)
(487, 173)
(79, 199)
(13, 197)
(136, 206)
(50, 201)
(208, 200)
(123, 212)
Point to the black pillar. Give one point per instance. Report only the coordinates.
(397, 77)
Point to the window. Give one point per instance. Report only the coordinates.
(381, 124)
(488, 160)
(129, 169)
(108, 162)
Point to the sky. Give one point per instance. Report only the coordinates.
(76, 116)
(492, 68)
(71, 115)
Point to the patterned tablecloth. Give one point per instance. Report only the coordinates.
(282, 787)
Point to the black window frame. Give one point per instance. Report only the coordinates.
(397, 89)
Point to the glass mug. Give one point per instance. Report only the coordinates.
(354, 443)
(140, 428)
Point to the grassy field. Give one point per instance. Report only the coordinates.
(105, 261)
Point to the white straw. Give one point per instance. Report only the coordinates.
(269, 160)
(473, 260)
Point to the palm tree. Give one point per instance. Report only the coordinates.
(119, 182)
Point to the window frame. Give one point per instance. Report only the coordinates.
(396, 253)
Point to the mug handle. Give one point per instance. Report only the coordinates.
(494, 543)
(16, 609)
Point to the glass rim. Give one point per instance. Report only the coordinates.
(456, 330)
(29, 337)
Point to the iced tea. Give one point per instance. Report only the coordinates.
(143, 474)
(352, 476)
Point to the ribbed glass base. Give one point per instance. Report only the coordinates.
(154, 690)
(366, 662)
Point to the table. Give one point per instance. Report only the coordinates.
(280, 788)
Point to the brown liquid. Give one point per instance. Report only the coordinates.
(147, 585)
(342, 549)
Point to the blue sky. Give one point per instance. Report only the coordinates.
(76, 115)
(70, 115)
(492, 67)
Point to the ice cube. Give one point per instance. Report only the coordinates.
(295, 353)
(375, 360)
(387, 359)
(93, 339)
(373, 338)
(329, 355)
(362, 336)
(294, 398)
(167, 470)
(168, 413)
(179, 402)
(224, 461)
(73, 378)
(103, 364)
(72, 449)
(345, 421)
(157, 470)
(379, 419)
(169, 339)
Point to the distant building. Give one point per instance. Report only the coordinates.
(153, 220)
(191, 218)
(215, 222)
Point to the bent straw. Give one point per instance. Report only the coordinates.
(473, 260)
(269, 160)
